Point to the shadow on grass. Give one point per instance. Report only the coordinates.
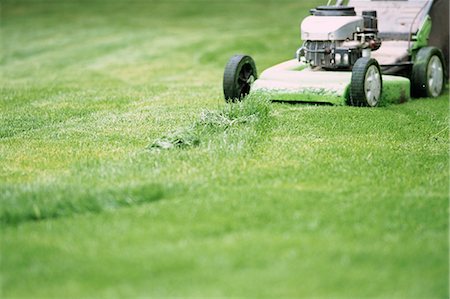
(299, 102)
(34, 205)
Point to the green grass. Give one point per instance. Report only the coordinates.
(262, 201)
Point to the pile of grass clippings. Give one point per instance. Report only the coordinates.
(253, 110)
(181, 138)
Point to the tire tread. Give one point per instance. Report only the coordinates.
(229, 75)
(357, 93)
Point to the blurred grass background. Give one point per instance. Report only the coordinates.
(311, 202)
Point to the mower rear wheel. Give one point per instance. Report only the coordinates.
(238, 77)
(427, 78)
(366, 83)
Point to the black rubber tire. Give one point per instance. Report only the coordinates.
(419, 83)
(357, 85)
(237, 77)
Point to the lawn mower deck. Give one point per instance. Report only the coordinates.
(294, 82)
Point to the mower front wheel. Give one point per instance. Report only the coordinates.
(238, 77)
(366, 83)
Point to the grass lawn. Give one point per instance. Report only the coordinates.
(285, 201)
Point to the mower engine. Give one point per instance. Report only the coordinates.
(335, 37)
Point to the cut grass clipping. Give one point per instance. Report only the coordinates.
(54, 202)
(254, 110)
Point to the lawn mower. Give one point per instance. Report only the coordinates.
(363, 53)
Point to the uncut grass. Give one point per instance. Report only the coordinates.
(317, 202)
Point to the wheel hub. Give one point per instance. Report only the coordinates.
(245, 80)
(435, 76)
(372, 85)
